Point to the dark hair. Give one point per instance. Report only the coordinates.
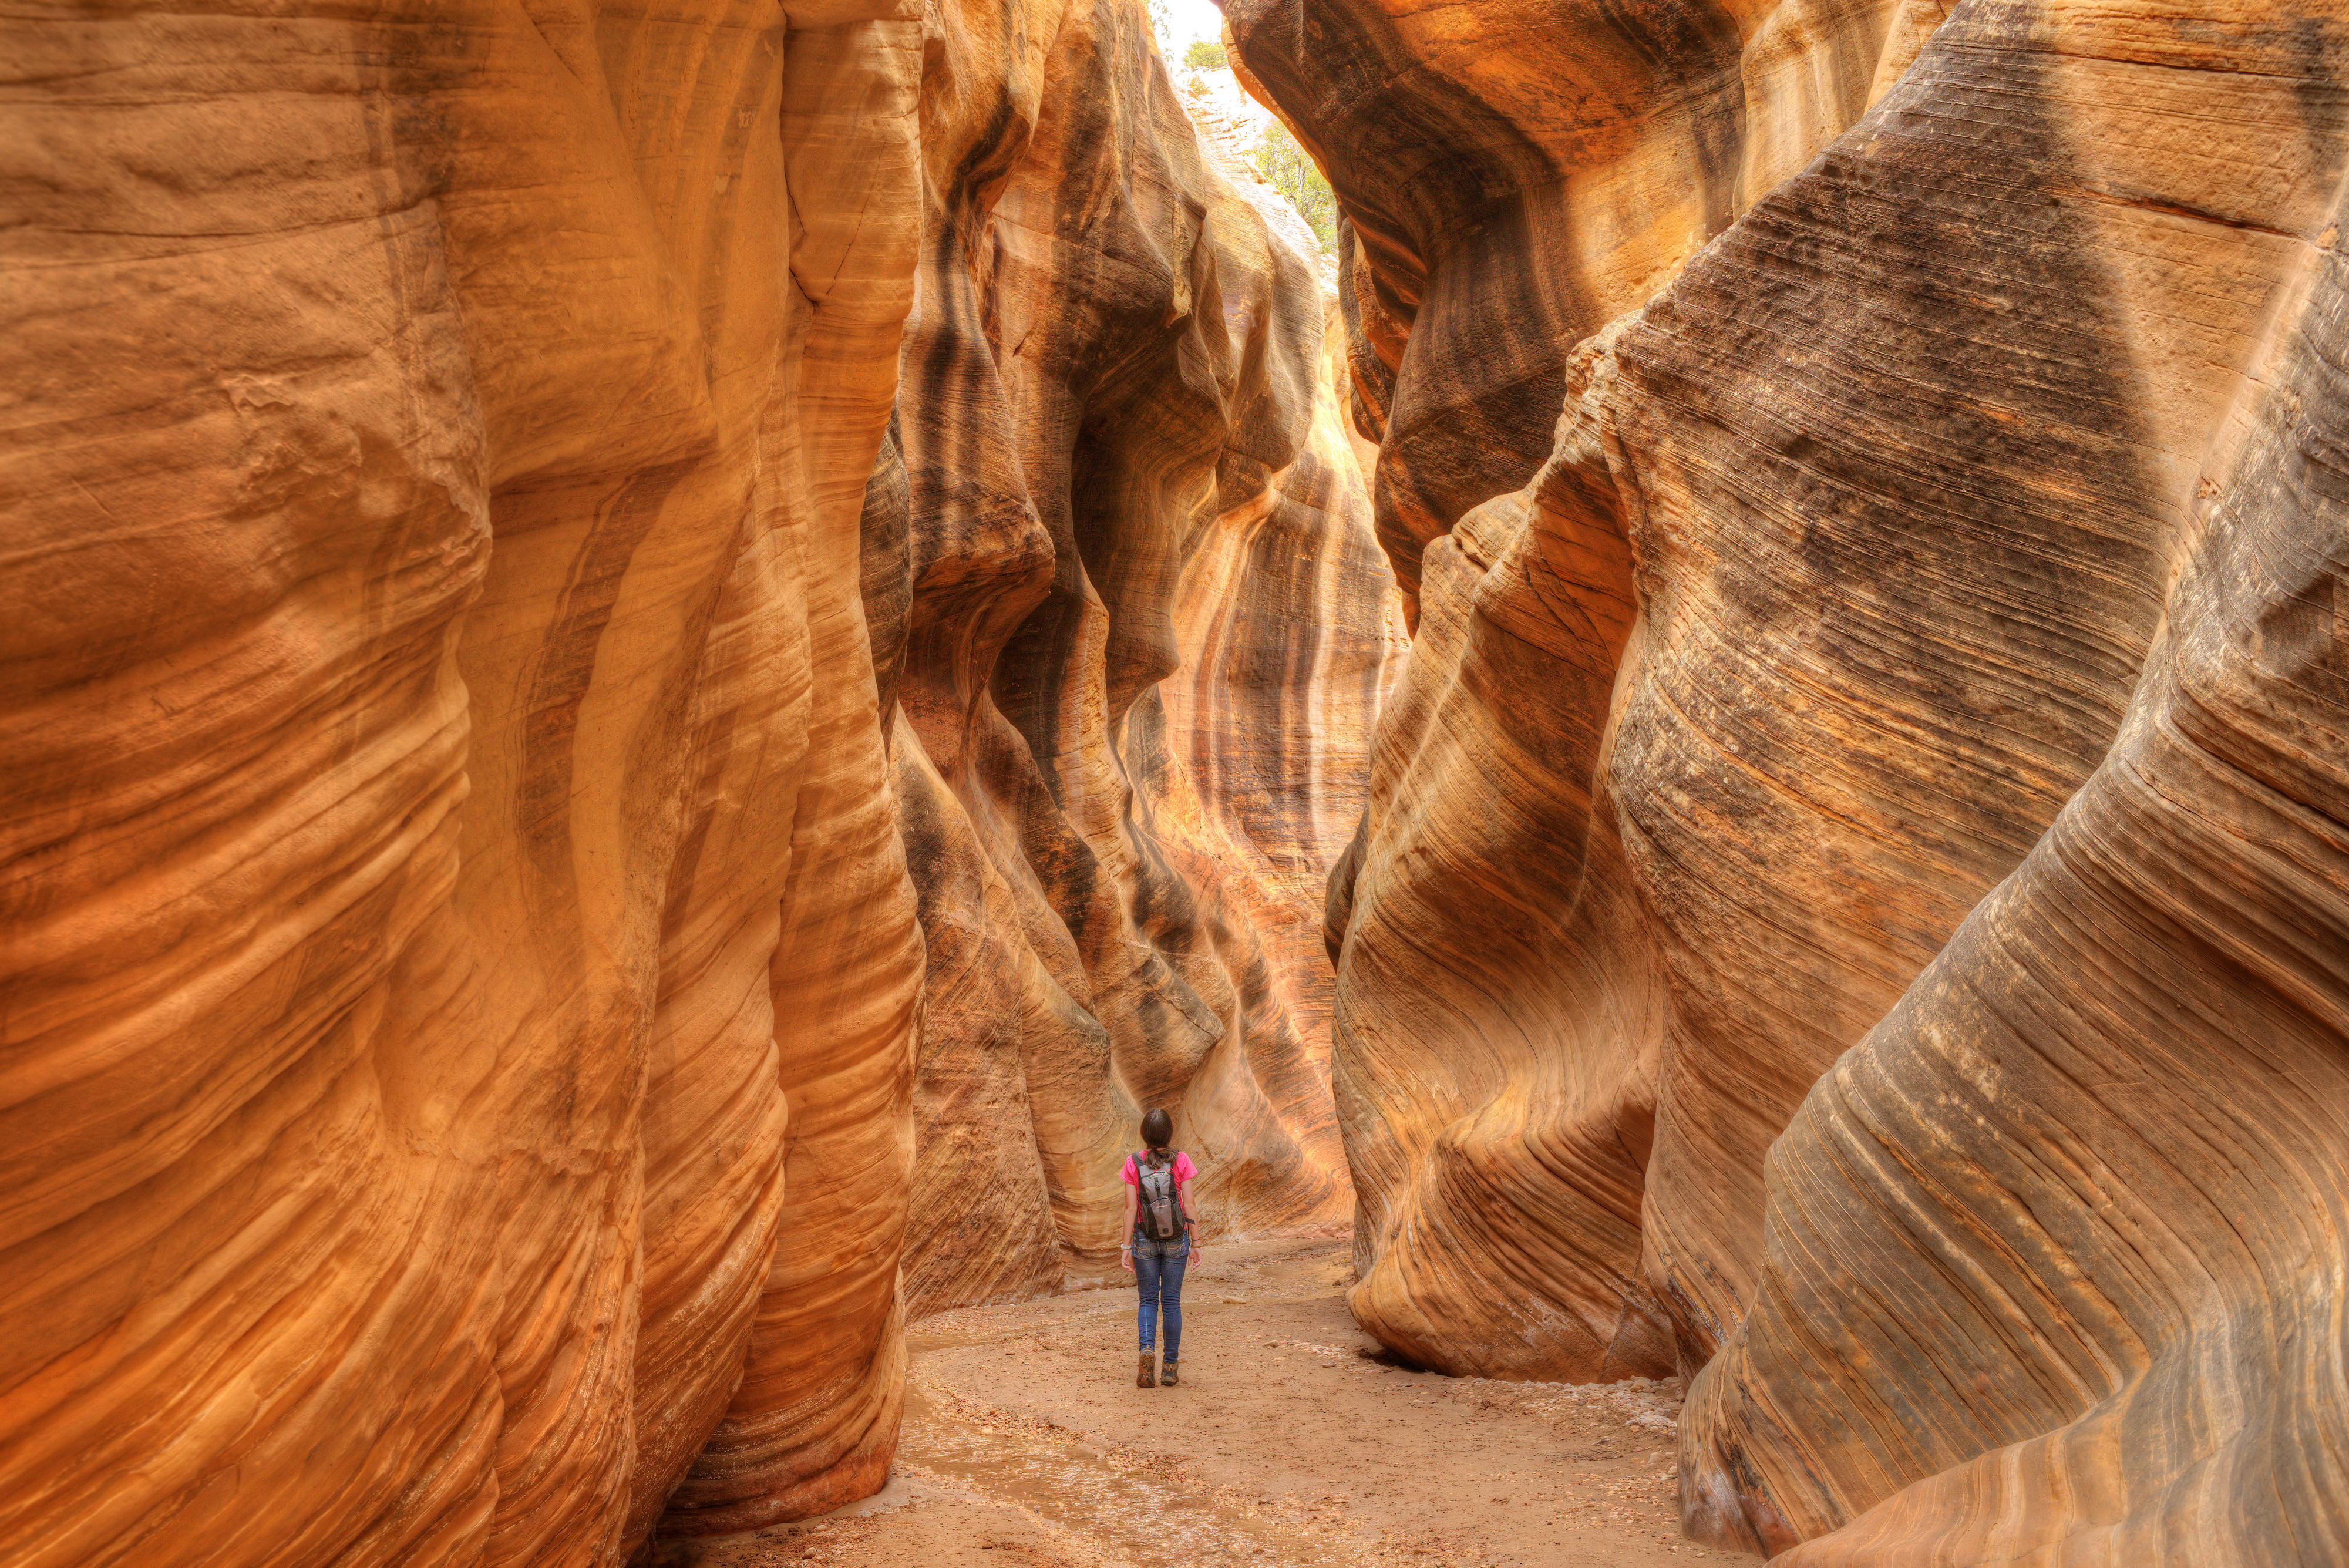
(1158, 1129)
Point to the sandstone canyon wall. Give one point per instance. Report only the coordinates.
(1852, 902)
(1145, 628)
(624, 673)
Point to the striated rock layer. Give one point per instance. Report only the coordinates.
(444, 770)
(1146, 629)
(1852, 895)
(465, 1084)
(1505, 1000)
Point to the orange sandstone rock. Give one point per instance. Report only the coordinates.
(1146, 634)
(1498, 1068)
(442, 741)
(1849, 898)
(464, 988)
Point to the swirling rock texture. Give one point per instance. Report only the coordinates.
(1852, 898)
(1499, 1064)
(1146, 629)
(464, 980)
(443, 766)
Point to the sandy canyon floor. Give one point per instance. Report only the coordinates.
(1028, 1445)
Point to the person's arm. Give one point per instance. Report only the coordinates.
(1125, 1237)
(1183, 1201)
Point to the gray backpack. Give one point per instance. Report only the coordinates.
(1159, 1215)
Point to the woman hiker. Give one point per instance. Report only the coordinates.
(1158, 1240)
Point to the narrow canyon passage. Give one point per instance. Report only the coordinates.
(1674, 673)
(1290, 1441)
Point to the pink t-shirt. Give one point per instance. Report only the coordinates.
(1183, 1170)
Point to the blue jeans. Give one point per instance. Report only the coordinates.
(1161, 1278)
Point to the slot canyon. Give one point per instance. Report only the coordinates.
(666, 660)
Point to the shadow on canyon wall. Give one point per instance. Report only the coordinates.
(662, 663)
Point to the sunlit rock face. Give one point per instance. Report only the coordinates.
(1852, 899)
(1146, 629)
(1517, 175)
(465, 547)
(1504, 1006)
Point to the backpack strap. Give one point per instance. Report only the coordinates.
(1138, 1161)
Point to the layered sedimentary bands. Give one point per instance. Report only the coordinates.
(1147, 629)
(1854, 902)
(662, 662)
(651, 654)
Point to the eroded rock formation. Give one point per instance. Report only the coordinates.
(1852, 897)
(465, 1073)
(662, 662)
(1146, 634)
(444, 762)
(1500, 1067)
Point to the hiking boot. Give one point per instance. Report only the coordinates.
(1166, 1375)
(1144, 1378)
